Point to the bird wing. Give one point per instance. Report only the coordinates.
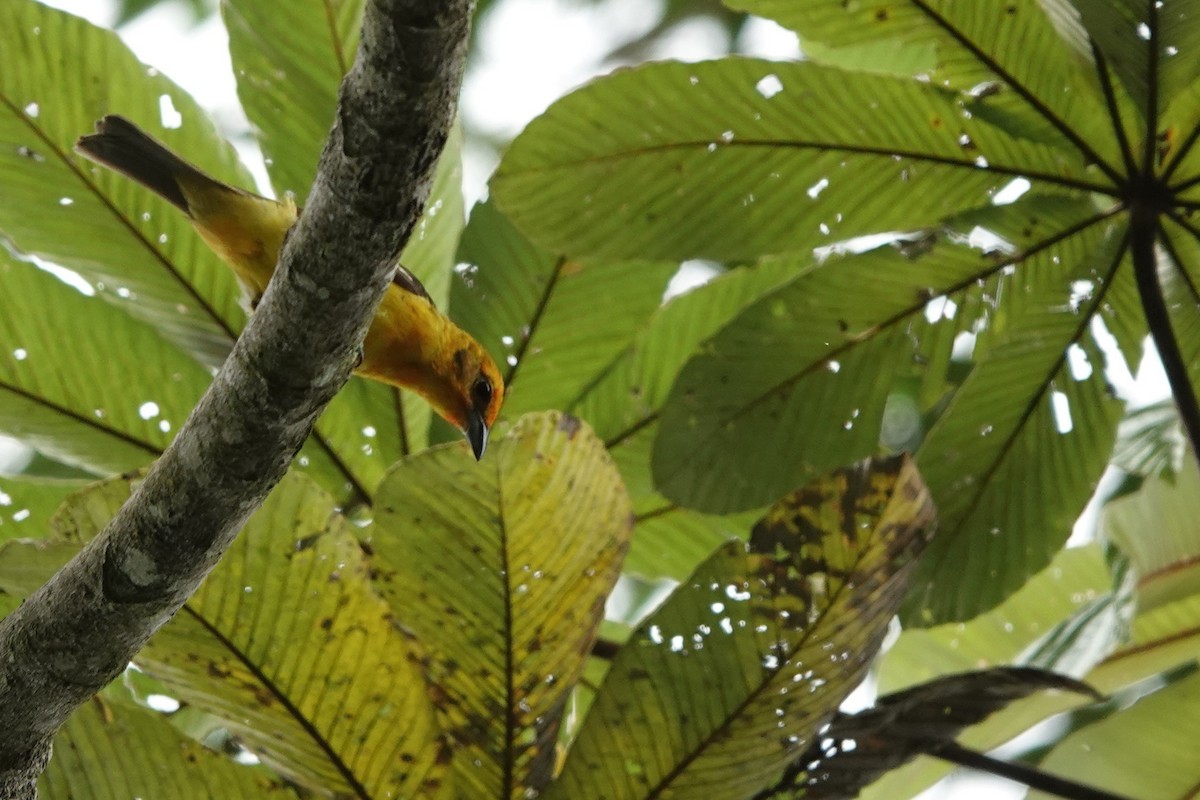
(410, 283)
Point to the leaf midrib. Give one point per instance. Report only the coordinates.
(708, 147)
(285, 701)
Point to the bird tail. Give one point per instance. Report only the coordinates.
(126, 148)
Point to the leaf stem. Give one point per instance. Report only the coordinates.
(1032, 777)
(1143, 229)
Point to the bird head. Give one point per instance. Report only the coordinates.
(471, 395)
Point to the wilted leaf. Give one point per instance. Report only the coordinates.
(858, 748)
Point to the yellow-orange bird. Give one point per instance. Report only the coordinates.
(410, 343)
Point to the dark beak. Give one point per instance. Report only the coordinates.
(477, 433)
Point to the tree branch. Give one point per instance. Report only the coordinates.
(81, 629)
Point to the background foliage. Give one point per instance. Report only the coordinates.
(399, 621)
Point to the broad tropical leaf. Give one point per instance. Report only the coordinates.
(1026, 64)
(1017, 454)
(1093, 105)
(553, 323)
(1163, 549)
(1145, 751)
(624, 402)
(113, 749)
(134, 248)
(1068, 589)
(796, 384)
(352, 714)
(84, 382)
(288, 68)
(501, 569)
(1165, 553)
(730, 679)
(27, 503)
(1072, 602)
(739, 158)
(93, 387)
(802, 378)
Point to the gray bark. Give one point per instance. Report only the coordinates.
(83, 627)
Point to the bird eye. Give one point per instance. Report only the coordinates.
(481, 392)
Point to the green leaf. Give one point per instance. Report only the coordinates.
(1155, 526)
(1033, 58)
(1066, 589)
(1145, 751)
(555, 322)
(1163, 550)
(1163, 638)
(288, 68)
(797, 382)
(501, 570)
(624, 401)
(27, 503)
(630, 393)
(1017, 454)
(1176, 44)
(1113, 27)
(83, 382)
(669, 540)
(1074, 587)
(287, 643)
(731, 678)
(112, 749)
(1150, 441)
(61, 74)
(738, 158)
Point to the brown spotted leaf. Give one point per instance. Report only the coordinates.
(728, 682)
(501, 568)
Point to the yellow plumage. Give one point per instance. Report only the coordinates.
(410, 344)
